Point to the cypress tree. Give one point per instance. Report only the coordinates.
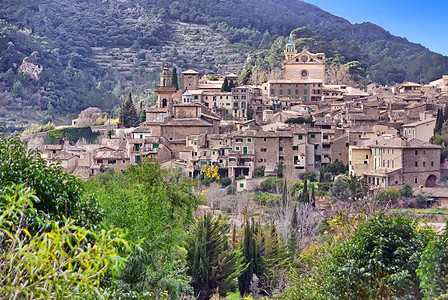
(251, 257)
(128, 114)
(445, 114)
(305, 197)
(174, 78)
(313, 200)
(225, 85)
(285, 195)
(143, 116)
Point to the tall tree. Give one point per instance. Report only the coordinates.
(213, 267)
(128, 114)
(439, 121)
(225, 85)
(251, 257)
(174, 81)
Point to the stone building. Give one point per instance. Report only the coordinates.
(388, 161)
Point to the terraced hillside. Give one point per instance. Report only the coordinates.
(192, 46)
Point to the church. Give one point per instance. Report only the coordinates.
(303, 78)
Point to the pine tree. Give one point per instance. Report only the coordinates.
(274, 260)
(250, 258)
(128, 114)
(225, 85)
(174, 78)
(213, 267)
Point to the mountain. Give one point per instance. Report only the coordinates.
(59, 57)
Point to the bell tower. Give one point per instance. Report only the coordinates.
(290, 49)
(165, 91)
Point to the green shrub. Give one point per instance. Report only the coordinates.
(73, 134)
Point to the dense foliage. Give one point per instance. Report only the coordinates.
(57, 193)
(213, 266)
(153, 205)
(380, 260)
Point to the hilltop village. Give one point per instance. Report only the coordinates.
(297, 122)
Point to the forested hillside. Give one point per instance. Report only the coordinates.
(91, 53)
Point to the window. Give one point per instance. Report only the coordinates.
(111, 161)
(297, 92)
(432, 164)
(305, 91)
(415, 179)
(264, 139)
(263, 150)
(281, 92)
(305, 98)
(289, 91)
(416, 152)
(367, 156)
(424, 164)
(272, 91)
(241, 185)
(346, 144)
(313, 136)
(154, 146)
(205, 153)
(300, 137)
(416, 163)
(237, 148)
(316, 147)
(249, 140)
(280, 148)
(99, 161)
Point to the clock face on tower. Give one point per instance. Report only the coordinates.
(304, 58)
(304, 73)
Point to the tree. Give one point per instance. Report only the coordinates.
(274, 260)
(156, 205)
(302, 32)
(433, 268)
(225, 86)
(357, 186)
(406, 191)
(251, 258)
(17, 89)
(259, 172)
(142, 116)
(378, 261)
(58, 193)
(128, 114)
(305, 197)
(8, 78)
(56, 264)
(174, 81)
(212, 265)
(250, 113)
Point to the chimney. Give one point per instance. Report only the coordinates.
(404, 141)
